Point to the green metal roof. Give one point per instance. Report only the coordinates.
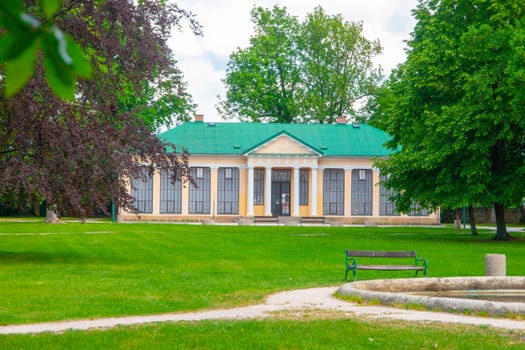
(240, 138)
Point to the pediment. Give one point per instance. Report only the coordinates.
(283, 144)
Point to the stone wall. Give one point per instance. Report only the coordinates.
(486, 216)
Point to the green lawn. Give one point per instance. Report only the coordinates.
(74, 270)
(326, 334)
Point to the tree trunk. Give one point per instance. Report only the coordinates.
(501, 228)
(457, 221)
(51, 215)
(472, 220)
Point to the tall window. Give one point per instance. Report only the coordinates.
(416, 210)
(170, 193)
(333, 191)
(386, 206)
(200, 191)
(228, 191)
(258, 186)
(361, 192)
(142, 191)
(303, 186)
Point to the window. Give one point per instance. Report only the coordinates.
(228, 191)
(303, 186)
(200, 191)
(170, 193)
(416, 210)
(386, 206)
(362, 192)
(142, 191)
(199, 173)
(333, 191)
(258, 186)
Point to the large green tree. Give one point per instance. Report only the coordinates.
(293, 71)
(263, 80)
(75, 151)
(455, 108)
(337, 66)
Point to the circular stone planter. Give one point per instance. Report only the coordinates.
(402, 291)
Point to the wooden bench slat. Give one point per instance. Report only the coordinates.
(381, 254)
(389, 267)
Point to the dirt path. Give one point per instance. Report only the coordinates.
(315, 299)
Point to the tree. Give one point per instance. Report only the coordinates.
(294, 71)
(75, 155)
(263, 80)
(337, 63)
(455, 108)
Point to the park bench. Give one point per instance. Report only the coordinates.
(312, 220)
(352, 264)
(265, 220)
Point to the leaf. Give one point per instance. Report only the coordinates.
(81, 65)
(59, 77)
(11, 7)
(20, 70)
(12, 46)
(50, 7)
(61, 45)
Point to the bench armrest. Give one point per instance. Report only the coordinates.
(422, 262)
(351, 261)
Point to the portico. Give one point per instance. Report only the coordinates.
(283, 159)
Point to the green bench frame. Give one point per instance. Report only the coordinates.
(420, 264)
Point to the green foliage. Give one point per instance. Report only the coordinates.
(161, 102)
(24, 36)
(455, 108)
(74, 156)
(337, 65)
(311, 71)
(263, 79)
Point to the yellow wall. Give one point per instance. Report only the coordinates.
(283, 145)
(282, 152)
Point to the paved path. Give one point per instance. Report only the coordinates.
(297, 300)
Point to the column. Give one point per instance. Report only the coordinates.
(348, 191)
(155, 178)
(268, 191)
(214, 187)
(313, 193)
(295, 191)
(376, 197)
(250, 191)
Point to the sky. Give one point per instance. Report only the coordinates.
(227, 27)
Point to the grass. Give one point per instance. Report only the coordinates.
(74, 270)
(275, 334)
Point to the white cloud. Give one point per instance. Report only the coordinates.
(227, 26)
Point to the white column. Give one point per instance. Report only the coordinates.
(295, 191)
(268, 191)
(313, 193)
(250, 191)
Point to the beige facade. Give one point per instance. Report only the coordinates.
(269, 184)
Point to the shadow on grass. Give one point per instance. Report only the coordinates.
(44, 257)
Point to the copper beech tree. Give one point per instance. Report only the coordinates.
(75, 155)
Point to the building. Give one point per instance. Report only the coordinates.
(259, 170)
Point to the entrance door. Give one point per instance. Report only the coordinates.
(281, 192)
